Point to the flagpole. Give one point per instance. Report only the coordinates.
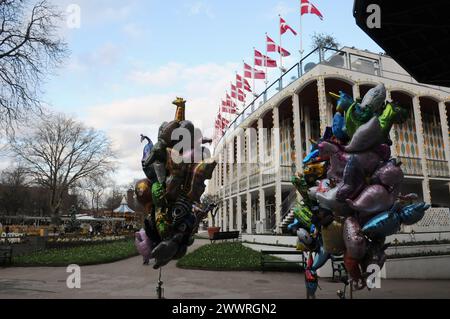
(301, 32)
(254, 66)
(266, 81)
(280, 47)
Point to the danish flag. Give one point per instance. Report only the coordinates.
(285, 27)
(229, 101)
(252, 73)
(263, 60)
(233, 91)
(242, 83)
(307, 7)
(272, 47)
(228, 109)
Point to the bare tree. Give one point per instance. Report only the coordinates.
(13, 190)
(29, 48)
(59, 152)
(95, 186)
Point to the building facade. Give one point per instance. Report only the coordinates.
(266, 143)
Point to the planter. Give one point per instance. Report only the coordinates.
(212, 231)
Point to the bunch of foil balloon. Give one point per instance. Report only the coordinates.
(350, 189)
(172, 190)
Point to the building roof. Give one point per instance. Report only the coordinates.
(416, 34)
(123, 208)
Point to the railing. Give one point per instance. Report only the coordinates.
(286, 206)
(319, 56)
(254, 181)
(411, 166)
(325, 56)
(435, 220)
(438, 168)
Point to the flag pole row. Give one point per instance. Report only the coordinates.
(239, 89)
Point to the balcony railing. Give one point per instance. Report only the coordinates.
(324, 56)
(438, 168)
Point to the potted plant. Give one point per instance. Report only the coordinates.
(212, 201)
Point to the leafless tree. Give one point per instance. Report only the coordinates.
(59, 153)
(13, 191)
(95, 187)
(29, 47)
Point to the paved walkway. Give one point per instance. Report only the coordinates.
(129, 279)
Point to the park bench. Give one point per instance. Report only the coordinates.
(5, 255)
(338, 268)
(225, 235)
(265, 261)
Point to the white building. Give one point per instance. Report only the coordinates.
(255, 184)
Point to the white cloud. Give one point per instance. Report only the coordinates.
(200, 7)
(282, 8)
(124, 120)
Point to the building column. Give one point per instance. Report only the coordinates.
(323, 105)
(225, 215)
(231, 214)
(262, 209)
(240, 162)
(356, 91)
(297, 132)
(307, 118)
(239, 212)
(277, 166)
(420, 145)
(249, 213)
(220, 190)
(444, 125)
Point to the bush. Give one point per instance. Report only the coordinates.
(82, 256)
(223, 256)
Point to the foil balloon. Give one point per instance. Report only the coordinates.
(339, 127)
(352, 267)
(320, 258)
(372, 200)
(354, 180)
(338, 159)
(305, 238)
(355, 243)
(366, 137)
(311, 157)
(311, 280)
(332, 237)
(390, 174)
(375, 99)
(143, 245)
(392, 114)
(382, 225)
(414, 213)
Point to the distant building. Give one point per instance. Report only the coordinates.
(255, 184)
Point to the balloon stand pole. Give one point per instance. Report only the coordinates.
(159, 288)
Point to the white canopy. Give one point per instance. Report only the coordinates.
(124, 208)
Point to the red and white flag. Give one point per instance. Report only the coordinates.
(252, 73)
(242, 83)
(272, 47)
(229, 110)
(285, 27)
(309, 8)
(241, 95)
(230, 101)
(263, 60)
(234, 93)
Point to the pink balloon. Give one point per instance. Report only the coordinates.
(143, 244)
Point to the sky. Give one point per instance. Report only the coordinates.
(130, 59)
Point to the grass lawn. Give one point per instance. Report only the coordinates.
(82, 256)
(228, 256)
